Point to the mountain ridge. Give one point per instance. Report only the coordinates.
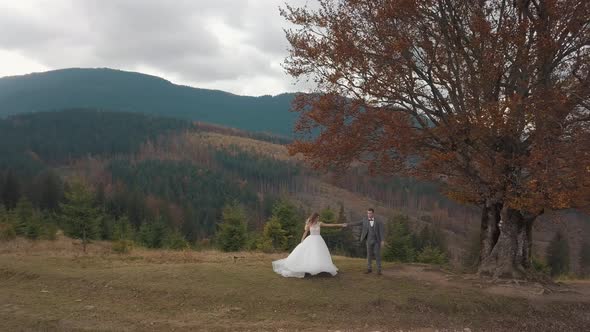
(119, 90)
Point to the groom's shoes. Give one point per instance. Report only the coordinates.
(379, 273)
(368, 271)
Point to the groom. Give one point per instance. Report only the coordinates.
(373, 232)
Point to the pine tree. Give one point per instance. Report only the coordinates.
(106, 226)
(232, 231)
(49, 221)
(122, 235)
(558, 255)
(23, 214)
(80, 217)
(400, 241)
(273, 236)
(122, 230)
(6, 225)
(423, 238)
(438, 239)
(431, 237)
(153, 233)
(290, 220)
(34, 227)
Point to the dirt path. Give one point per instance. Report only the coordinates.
(574, 291)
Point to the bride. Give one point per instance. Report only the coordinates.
(311, 255)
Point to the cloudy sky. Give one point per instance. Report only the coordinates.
(231, 45)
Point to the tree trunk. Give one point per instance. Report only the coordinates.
(489, 228)
(511, 242)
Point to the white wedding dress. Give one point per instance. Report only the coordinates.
(310, 256)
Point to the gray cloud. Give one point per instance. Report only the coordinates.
(233, 45)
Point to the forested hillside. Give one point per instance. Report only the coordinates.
(164, 182)
(152, 180)
(29, 141)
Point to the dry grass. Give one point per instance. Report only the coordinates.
(61, 247)
(263, 148)
(65, 247)
(53, 286)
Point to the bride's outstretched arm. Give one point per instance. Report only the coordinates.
(351, 224)
(332, 225)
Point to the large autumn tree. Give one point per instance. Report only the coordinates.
(490, 97)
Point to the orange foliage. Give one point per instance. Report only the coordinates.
(493, 96)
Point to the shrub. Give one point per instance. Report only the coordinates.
(232, 231)
(540, 266)
(252, 241)
(152, 234)
(400, 241)
(49, 232)
(22, 216)
(265, 245)
(399, 249)
(290, 221)
(175, 241)
(432, 255)
(122, 229)
(566, 277)
(273, 237)
(34, 228)
(7, 232)
(122, 246)
(203, 244)
(79, 217)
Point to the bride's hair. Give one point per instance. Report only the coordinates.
(312, 219)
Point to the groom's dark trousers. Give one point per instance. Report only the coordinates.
(373, 248)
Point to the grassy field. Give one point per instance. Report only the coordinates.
(49, 286)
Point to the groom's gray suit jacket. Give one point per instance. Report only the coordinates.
(378, 228)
